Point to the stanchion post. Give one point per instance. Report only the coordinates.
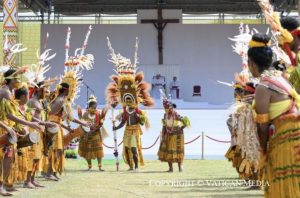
(202, 144)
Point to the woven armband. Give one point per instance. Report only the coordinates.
(262, 118)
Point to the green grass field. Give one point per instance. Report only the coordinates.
(150, 181)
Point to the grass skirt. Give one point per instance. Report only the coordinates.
(283, 158)
(91, 146)
(171, 148)
(132, 138)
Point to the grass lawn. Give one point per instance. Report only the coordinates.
(150, 181)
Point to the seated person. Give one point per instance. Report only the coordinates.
(174, 88)
(158, 83)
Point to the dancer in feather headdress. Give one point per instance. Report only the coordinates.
(11, 79)
(129, 89)
(171, 147)
(286, 31)
(277, 104)
(61, 104)
(244, 150)
(38, 86)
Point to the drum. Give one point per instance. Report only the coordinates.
(86, 129)
(28, 140)
(74, 134)
(7, 140)
(48, 138)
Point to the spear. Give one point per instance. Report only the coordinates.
(115, 138)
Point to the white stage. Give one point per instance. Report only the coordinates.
(199, 54)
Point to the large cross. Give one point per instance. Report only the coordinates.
(160, 25)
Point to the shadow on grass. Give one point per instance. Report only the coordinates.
(146, 172)
(214, 193)
(235, 196)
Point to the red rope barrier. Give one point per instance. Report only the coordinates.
(112, 147)
(152, 144)
(193, 140)
(217, 140)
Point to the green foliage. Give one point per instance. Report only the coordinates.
(186, 121)
(71, 153)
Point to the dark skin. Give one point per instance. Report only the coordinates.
(56, 107)
(94, 128)
(263, 97)
(6, 93)
(132, 119)
(35, 102)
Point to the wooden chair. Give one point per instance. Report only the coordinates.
(196, 90)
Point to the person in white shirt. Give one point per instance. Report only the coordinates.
(174, 88)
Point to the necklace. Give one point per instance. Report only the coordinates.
(91, 117)
(130, 112)
(170, 130)
(271, 72)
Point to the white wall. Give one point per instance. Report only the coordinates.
(203, 53)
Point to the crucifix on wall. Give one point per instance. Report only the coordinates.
(160, 25)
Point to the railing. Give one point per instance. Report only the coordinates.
(189, 142)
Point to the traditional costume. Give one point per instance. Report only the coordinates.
(73, 68)
(37, 88)
(283, 39)
(129, 89)
(283, 159)
(91, 143)
(8, 106)
(172, 142)
(244, 151)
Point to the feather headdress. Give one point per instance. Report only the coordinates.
(9, 52)
(79, 60)
(74, 65)
(127, 86)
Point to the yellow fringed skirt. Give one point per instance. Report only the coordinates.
(132, 139)
(57, 162)
(283, 158)
(13, 170)
(91, 146)
(24, 165)
(58, 139)
(36, 151)
(171, 148)
(244, 168)
(44, 164)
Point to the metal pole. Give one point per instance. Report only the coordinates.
(87, 95)
(202, 152)
(298, 9)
